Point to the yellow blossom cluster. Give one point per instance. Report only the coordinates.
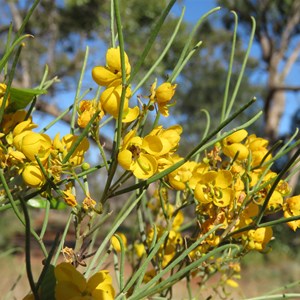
(144, 156)
(166, 218)
(110, 76)
(35, 156)
(230, 186)
(150, 154)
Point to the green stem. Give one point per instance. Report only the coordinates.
(119, 220)
(46, 218)
(160, 58)
(151, 40)
(27, 251)
(112, 24)
(47, 262)
(10, 80)
(182, 58)
(18, 214)
(76, 99)
(237, 85)
(124, 85)
(57, 119)
(27, 17)
(63, 238)
(7, 54)
(224, 105)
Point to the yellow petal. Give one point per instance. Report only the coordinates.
(104, 76)
(232, 283)
(233, 149)
(113, 60)
(131, 114)
(33, 176)
(115, 242)
(225, 198)
(125, 159)
(23, 126)
(66, 273)
(224, 179)
(165, 92)
(145, 166)
(200, 195)
(152, 144)
(139, 249)
(67, 290)
(236, 137)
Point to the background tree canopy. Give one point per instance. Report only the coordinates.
(64, 28)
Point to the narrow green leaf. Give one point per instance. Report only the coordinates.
(20, 98)
(41, 203)
(48, 284)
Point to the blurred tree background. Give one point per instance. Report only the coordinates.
(64, 28)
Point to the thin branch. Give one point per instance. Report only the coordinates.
(292, 22)
(286, 88)
(290, 61)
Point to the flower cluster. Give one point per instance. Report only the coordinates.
(110, 76)
(166, 217)
(150, 154)
(35, 156)
(230, 186)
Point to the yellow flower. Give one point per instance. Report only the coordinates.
(258, 238)
(86, 111)
(198, 172)
(232, 145)
(258, 148)
(115, 242)
(168, 249)
(88, 203)
(168, 139)
(141, 155)
(179, 178)
(291, 208)
(77, 157)
(214, 187)
(232, 283)
(33, 144)
(113, 71)
(162, 96)
(15, 156)
(178, 219)
(139, 249)
(33, 175)
(134, 157)
(23, 126)
(72, 285)
(110, 100)
(70, 198)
